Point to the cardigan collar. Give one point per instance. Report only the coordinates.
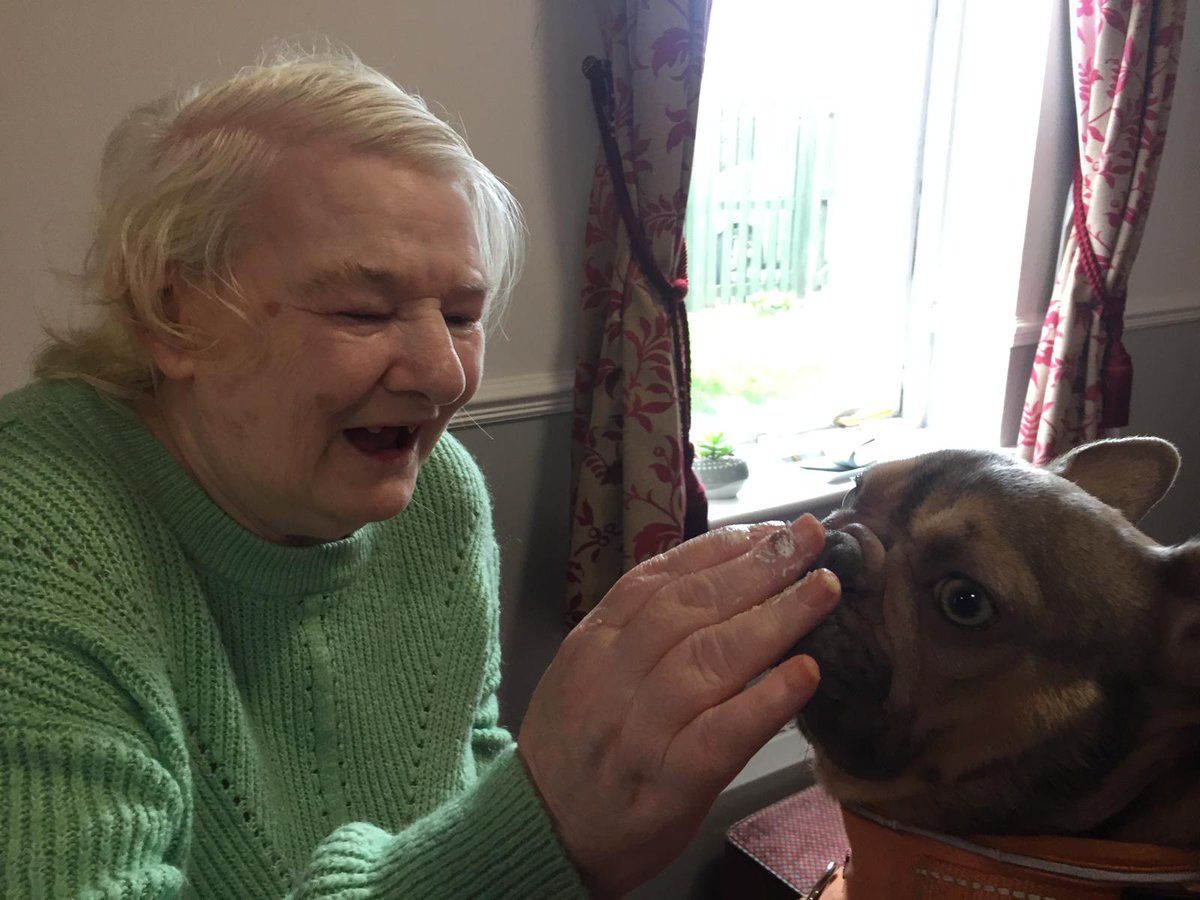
(215, 542)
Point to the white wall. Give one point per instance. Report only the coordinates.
(510, 71)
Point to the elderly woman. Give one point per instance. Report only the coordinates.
(248, 585)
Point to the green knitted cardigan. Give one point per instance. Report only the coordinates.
(187, 710)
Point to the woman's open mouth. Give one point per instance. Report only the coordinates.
(383, 442)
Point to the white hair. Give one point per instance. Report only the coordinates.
(176, 174)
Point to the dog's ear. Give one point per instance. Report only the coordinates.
(1181, 615)
(1129, 474)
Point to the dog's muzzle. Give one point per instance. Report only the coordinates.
(843, 555)
(846, 718)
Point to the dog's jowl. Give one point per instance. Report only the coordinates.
(1012, 656)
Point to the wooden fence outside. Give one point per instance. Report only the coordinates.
(758, 207)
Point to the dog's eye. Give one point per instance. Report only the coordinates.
(965, 604)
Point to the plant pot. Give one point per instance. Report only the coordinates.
(722, 478)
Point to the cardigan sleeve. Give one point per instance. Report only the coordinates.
(87, 807)
(495, 840)
(95, 800)
(96, 791)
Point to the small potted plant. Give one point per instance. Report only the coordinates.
(721, 473)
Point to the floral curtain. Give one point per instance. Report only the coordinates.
(1125, 53)
(633, 494)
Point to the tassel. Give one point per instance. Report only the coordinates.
(1116, 386)
(695, 515)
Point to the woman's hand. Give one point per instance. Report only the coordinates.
(644, 716)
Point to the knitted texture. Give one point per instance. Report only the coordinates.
(186, 709)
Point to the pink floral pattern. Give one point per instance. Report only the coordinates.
(628, 497)
(1126, 54)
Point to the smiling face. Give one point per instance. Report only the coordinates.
(363, 293)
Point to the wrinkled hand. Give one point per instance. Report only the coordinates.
(644, 716)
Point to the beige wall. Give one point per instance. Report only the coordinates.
(510, 71)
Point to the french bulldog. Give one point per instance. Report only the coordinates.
(1011, 654)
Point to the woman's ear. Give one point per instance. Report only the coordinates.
(166, 347)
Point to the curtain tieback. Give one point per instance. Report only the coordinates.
(679, 290)
(1116, 375)
(672, 293)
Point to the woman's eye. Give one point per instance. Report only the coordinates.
(965, 604)
(460, 321)
(363, 316)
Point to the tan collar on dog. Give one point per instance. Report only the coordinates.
(889, 859)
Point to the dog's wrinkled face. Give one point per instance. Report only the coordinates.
(993, 663)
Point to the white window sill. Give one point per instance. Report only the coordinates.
(782, 491)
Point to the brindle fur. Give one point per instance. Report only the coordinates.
(1077, 711)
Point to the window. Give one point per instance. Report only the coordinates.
(935, 141)
(803, 212)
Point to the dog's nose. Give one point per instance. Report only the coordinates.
(843, 555)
